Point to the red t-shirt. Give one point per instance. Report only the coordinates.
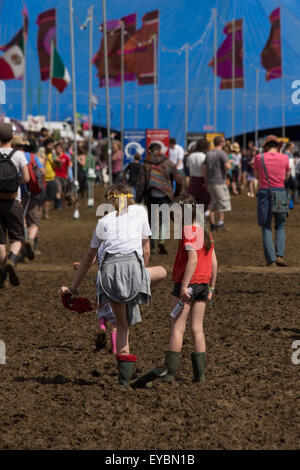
(62, 171)
(277, 164)
(193, 238)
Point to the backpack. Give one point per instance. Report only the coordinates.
(9, 177)
(36, 183)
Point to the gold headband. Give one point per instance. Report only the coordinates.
(122, 199)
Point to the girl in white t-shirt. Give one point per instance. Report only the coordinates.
(123, 279)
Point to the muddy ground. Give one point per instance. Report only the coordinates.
(58, 392)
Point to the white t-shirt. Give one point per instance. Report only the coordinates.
(123, 233)
(236, 157)
(19, 160)
(195, 163)
(176, 155)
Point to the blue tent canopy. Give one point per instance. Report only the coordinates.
(181, 21)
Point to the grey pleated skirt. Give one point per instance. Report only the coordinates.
(124, 278)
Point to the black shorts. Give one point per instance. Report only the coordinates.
(11, 221)
(50, 190)
(200, 292)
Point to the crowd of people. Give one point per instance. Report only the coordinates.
(36, 175)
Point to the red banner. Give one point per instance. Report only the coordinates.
(271, 55)
(159, 136)
(46, 34)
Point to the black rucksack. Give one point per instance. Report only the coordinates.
(9, 177)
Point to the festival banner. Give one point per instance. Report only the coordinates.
(139, 49)
(46, 34)
(60, 75)
(12, 62)
(159, 136)
(271, 58)
(224, 57)
(134, 143)
(191, 139)
(114, 51)
(211, 135)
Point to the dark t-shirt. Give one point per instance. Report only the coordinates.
(133, 171)
(215, 161)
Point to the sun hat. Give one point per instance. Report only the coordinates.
(235, 147)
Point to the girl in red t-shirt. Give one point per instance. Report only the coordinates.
(195, 268)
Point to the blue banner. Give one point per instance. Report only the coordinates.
(134, 143)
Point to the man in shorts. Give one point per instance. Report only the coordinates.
(11, 208)
(218, 164)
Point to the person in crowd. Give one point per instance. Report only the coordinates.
(81, 162)
(271, 174)
(177, 155)
(123, 277)
(243, 176)
(297, 170)
(291, 183)
(217, 163)
(132, 172)
(63, 163)
(196, 163)
(116, 160)
(11, 209)
(155, 186)
(235, 168)
(250, 171)
(49, 164)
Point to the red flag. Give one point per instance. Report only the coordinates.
(47, 33)
(139, 50)
(224, 57)
(114, 53)
(271, 55)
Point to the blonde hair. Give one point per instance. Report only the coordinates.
(119, 195)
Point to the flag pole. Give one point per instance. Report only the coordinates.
(90, 169)
(282, 85)
(207, 107)
(215, 66)
(233, 83)
(256, 106)
(50, 83)
(136, 105)
(186, 107)
(154, 82)
(76, 184)
(24, 104)
(244, 121)
(122, 87)
(107, 91)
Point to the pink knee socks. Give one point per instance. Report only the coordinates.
(102, 324)
(113, 339)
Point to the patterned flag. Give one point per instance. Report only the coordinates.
(139, 49)
(47, 33)
(224, 57)
(12, 62)
(271, 55)
(60, 75)
(114, 51)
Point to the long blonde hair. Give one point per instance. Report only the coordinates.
(119, 195)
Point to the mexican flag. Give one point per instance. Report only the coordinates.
(12, 62)
(60, 75)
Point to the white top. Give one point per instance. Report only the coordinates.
(236, 157)
(195, 163)
(292, 166)
(176, 155)
(19, 160)
(123, 233)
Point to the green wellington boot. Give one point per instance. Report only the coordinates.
(125, 366)
(198, 362)
(154, 374)
(171, 363)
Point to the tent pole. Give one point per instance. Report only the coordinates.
(50, 83)
(186, 107)
(107, 91)
(244, 121)
(233, 83)
(76, 184)
(24, 76)
(256, 106)
(215, 67)
(155, 82)
(90, 180)
(136, 105)
(122, 87)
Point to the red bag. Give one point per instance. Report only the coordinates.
(76, 304)
(36, 183)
